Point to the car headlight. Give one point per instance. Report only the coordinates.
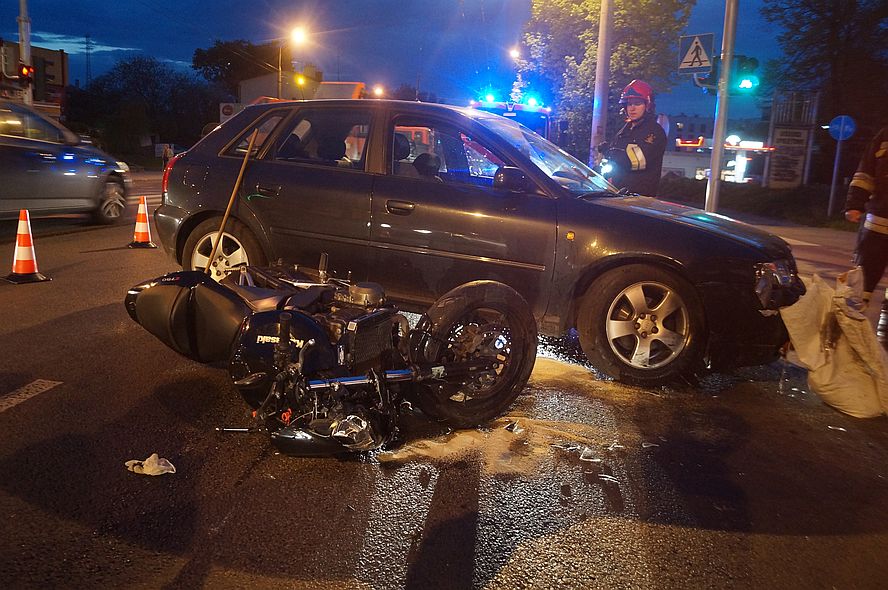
(122, 166)
(777, 284)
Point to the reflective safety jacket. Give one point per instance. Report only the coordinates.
(869, 187)
(636, 154)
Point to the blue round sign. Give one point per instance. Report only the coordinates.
(842, 128)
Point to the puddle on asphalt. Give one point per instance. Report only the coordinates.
(502, 450)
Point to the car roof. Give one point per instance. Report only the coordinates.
(428, 108)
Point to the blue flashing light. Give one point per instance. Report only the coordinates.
(489, 97)
(532, 101)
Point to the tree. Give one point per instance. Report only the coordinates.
(562, 42)
(835, 47)
(229, 62)
(140, 97)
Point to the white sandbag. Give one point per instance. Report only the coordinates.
(847, 366)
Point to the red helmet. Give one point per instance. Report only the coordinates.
(637, 89)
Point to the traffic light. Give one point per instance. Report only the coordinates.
(743, 77)
(25, 74)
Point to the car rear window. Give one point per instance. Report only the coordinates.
(329, 137)
(265, 126)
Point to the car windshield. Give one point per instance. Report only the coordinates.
(557, 164)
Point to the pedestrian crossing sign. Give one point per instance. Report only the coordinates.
(695, 53)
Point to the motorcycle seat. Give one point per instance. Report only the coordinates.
(262, 299)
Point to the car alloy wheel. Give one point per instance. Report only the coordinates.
(647, 325)
(230, 254)
(112, 202)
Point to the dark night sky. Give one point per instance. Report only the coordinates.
(454, 47)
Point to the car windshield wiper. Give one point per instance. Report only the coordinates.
(598, 193)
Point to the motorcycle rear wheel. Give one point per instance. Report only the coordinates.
(476, 321)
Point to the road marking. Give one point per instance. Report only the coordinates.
(793, 242)
(25, 393)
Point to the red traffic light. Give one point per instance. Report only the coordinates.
(25, 73)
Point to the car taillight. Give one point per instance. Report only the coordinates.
(164, 182)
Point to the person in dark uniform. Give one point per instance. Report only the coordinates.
(869, 192)
(635, 156)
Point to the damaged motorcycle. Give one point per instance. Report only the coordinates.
(327, 364)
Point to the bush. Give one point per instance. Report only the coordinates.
(805, 205)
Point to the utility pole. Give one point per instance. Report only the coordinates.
(24, 24)
(602, 73)
(721, 107)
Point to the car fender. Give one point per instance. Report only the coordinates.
(568, 303)
(244, 215)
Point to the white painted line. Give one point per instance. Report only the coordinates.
(25, 393)
(792, 242)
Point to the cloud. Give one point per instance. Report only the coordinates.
(73, 45)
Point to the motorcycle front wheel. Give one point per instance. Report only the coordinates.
(477, 321)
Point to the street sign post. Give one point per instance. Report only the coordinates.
(695, 53)
(840, 129)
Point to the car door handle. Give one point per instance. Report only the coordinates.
(268, 191)
(399, 207)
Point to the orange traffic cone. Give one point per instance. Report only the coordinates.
(24, 262)
(142, 233)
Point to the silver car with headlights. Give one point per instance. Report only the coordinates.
(46, 168)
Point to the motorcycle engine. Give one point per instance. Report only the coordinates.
(354, 335)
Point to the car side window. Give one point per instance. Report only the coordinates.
(19, 122)
(441, 153)
(329, 137)
(264, 126)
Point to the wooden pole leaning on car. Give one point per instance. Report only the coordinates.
(237, 184)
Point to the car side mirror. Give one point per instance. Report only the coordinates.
(511, 179)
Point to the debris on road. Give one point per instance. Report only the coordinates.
(513, 427)
(153, 465)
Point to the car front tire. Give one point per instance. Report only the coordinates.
(238, 248)
(642, 324)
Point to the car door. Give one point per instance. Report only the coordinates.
(25, 158)
(438, 221)
(45, 171)
(310, 190)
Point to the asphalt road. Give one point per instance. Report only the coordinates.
(743, 480)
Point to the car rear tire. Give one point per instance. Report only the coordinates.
(238, 248)
(112, 202)
(642, 324)
(475, 321)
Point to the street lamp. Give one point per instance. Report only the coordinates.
(298, 37)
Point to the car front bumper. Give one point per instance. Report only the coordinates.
(741, 332)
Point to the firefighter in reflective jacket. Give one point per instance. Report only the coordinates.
(635, 156)
(869, 192)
